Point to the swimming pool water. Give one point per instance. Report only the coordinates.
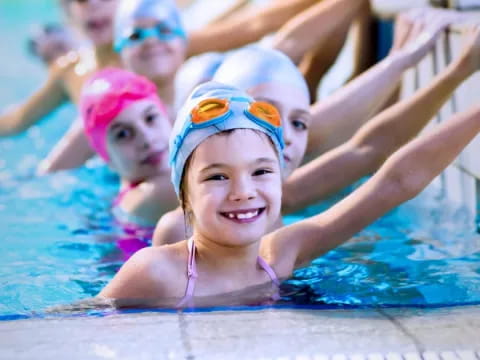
(57, 234)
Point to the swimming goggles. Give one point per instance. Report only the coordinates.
(214, 111)
(162, 31)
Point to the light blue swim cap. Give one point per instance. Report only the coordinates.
(129, 10)
(185, 137)
(254, 65)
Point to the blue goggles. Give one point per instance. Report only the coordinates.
(162, 31)
(215, 111)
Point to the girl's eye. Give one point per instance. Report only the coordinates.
(299, 125)
(150, 119)
(123, 134)
(260, 172)
(216, 177)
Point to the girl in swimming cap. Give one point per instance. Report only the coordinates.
(127, 125)
(271, 77)
(233, 197)
(66, 76)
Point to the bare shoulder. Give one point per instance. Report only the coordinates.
(159, 262)
(151, 199)
(170, 228)
(149, 273)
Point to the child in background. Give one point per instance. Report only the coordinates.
(127, 124)
(67, 75)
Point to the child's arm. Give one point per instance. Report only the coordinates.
(405, 174)
(338, 117)
(236, 9)
(49, 97)
(315, 26)
(243, 30)
(72, 151)
(379, 138)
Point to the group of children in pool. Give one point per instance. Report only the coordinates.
(234, 147)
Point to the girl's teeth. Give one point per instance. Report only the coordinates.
(248, 215)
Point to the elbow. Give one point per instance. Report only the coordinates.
(374, 146)
(404, 183)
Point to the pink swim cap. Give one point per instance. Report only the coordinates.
(105, 95)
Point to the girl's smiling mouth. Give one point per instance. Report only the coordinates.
(244, 216)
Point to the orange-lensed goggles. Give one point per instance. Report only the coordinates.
(213, 111)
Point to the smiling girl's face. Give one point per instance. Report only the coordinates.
(233, 194)
(137, 141)
(94, 18)
(293, 106)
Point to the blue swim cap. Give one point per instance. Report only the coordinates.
(186, 137)
(253, 65)
(128, 11)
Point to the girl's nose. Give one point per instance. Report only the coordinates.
(242, 189)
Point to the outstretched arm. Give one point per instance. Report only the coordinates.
(380, 137)
(72, 151)
(316, 26)
(50, 96)
(246, 29)
(404, 175)
(231, 12)
(338, 117)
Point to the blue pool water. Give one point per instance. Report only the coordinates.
(57, 235)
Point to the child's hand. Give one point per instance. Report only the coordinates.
(425, 26)
(471, 50)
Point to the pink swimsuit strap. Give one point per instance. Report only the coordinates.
(192, 275)
(118, 199)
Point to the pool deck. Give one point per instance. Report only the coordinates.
(387, 334)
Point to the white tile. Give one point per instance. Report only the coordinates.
(431, 355)
(412, 356)
(467, 355)
(393, 356)
(449, 355)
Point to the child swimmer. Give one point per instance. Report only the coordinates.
(127, 124)
(68, 73)
(233, 197)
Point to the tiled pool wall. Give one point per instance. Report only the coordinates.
(460, 182)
